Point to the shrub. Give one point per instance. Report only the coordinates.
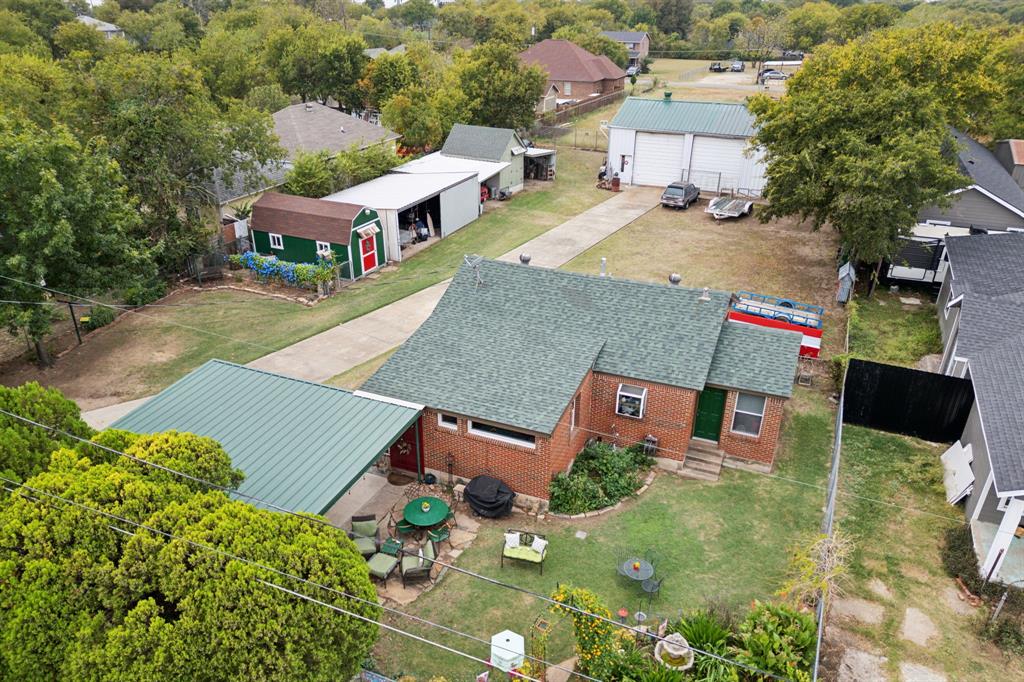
(960, 561)
(708, 630)
(601, 475)
(145, 292)
(271, 269)
(99, 316)
(779, 639)
(595, 639)
(1006, 634)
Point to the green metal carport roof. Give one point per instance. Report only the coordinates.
(301, 445)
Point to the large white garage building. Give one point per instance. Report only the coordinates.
(658, 141)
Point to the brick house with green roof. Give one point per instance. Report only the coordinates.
(519, 366)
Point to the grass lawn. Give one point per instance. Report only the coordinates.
(782, 258)
(901, 549)
(726, 540)
(140, 355)
(885, 330)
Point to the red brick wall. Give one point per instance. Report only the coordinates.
(525, 470)
(668, 415)
(566, 442)
(760, 448)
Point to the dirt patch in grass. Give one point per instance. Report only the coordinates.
(782, 257)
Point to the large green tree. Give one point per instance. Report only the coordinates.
(25, 449)
(864, 155)
(501, 90)
(89, 598)
(67, 221)
(169, 136)
(16, 36)
(385, 77)
(412, 114)
(590, 38)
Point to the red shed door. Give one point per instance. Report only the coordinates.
(403, 452)
(368, 250)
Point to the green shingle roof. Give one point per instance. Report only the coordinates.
(718, 119)
(514, 347)
(301, 445)
(752, 358)
(477, 142)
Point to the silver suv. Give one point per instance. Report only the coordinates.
(680, 195)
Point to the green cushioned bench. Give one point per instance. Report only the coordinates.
(524, 549)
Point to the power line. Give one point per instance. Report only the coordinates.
(235, 557)
(326, 523)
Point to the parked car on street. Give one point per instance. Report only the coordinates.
(792, 54)
(717, 67)
(737, 66)
(772, 75)
(680, 195)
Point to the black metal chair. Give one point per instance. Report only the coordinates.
(652, 587)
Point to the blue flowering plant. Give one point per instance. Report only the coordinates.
(272, 269)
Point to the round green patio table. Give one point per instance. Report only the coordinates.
(415, 514)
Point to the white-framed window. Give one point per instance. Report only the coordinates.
(323, 248)
(501, 434)
(748, 414)
(447, 421)
(630, 401)
(574, 411)
(566, 88)
(276, 241)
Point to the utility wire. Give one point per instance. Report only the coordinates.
(257, 564)
(326, 523)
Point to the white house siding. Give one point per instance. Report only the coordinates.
(658, 158)
(620, 147)
(460, 205)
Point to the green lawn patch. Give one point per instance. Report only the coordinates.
(883, 329)
(726, 540)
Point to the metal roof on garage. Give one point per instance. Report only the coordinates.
(300, 444)
(399, 191)
(440, 163)
(720, 119)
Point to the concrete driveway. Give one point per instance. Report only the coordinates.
(341, 348)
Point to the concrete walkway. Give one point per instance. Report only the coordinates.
(352, 343)
(337, 350)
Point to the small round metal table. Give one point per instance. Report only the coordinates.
(637, 569)
(435, 513)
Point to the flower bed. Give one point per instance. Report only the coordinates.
(601, 476)
(271, 269)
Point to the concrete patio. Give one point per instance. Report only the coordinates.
(373, 494)
(1012, 568)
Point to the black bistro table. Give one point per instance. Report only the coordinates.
(637, 569)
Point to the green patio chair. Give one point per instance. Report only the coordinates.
(439, 535)
(365, 534)
(381, 566)
(403, 527)
(412, 569)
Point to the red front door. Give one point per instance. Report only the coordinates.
(368, 250)
(403, 452)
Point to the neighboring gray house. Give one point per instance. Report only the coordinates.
(992, 200)
(497, 145)
(374, 52)
(981, 298)
(309, 127)
(637, 44)
(985, 468)
(109, 31)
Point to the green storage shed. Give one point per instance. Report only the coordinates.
(299, 229)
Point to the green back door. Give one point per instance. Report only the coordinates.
(710, 407)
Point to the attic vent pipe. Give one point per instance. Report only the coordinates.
(668, 95)
(604, 266)
(309, 106)
(705, 295)
(674, 279)
(524, 258)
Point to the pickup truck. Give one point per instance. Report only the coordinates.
(728, 207)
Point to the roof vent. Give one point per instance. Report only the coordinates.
(705, 295)
(524, 258)
(668, 95)
(674, 279)
(309, 106)
(342, 129)
(604, 266)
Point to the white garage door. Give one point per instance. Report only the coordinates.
(658, 159)
(718, 163)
